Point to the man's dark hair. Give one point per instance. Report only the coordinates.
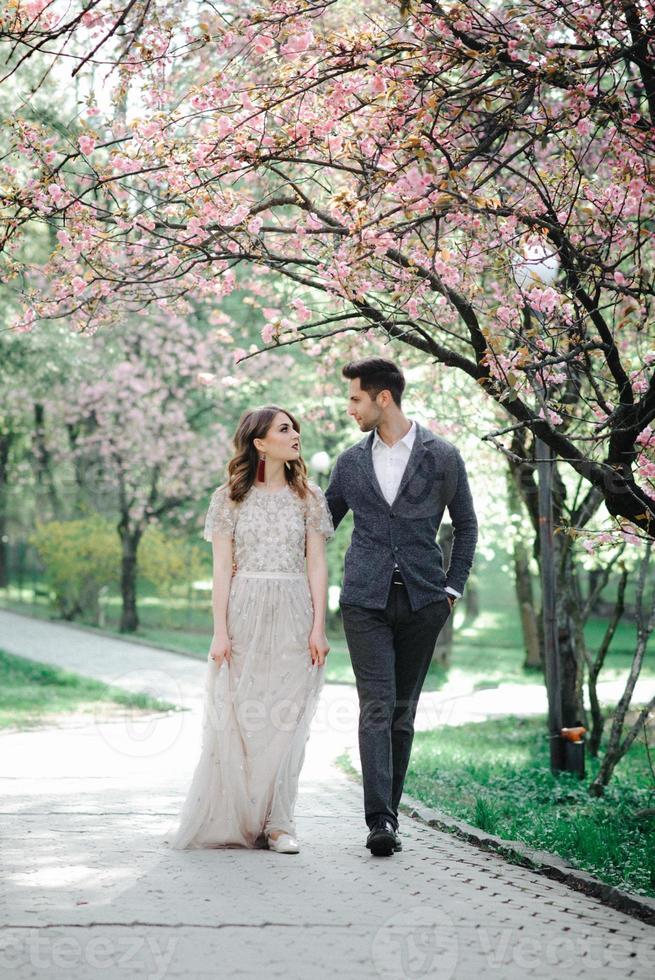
(375, 375)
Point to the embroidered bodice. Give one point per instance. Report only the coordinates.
(268, 528)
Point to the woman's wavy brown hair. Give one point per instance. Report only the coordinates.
(242, 468)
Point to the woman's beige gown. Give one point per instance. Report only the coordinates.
(258, 708)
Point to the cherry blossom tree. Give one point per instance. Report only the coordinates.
(398, 165)
(144, 428)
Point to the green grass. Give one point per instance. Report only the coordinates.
(496, 776)
(33, 693)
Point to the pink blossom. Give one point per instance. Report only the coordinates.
(86, 144)
(78, 285)
(312, 223)
(553, 417)
(25, 324)
(544, 300)
(298, 44)
(302, 312)
(239, 214)
(149, 129)
(262, 44)
(512, 46)
(413, 183)
(123, 164)
(35, 7)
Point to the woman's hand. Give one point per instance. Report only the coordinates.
(220, 649)
(318, 645)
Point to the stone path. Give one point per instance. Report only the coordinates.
(88, 888)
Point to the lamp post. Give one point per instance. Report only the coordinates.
(538, 266)
(320, 464)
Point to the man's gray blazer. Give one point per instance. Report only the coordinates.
(405, 531)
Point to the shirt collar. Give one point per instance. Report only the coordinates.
(408, 439)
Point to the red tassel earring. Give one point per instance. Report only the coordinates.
(261, 469)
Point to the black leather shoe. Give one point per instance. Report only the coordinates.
(382, 839)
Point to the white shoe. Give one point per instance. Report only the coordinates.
(284, 844)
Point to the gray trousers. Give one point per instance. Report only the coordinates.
(390, 650)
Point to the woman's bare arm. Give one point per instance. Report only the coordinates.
(222, 576)
(317, 573)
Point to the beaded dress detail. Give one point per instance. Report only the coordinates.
(258, 709)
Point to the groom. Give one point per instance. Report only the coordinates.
(396, 595)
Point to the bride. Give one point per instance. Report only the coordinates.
(268, 526)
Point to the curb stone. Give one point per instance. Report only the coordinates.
(551, 865)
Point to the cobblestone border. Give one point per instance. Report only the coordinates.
(552, 865)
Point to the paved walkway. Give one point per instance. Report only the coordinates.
(88, 888)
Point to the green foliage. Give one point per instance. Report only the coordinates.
(166, 562)
(80, 557)
(83, 556)
(486, 817)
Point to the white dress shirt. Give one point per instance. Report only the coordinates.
(389, 463)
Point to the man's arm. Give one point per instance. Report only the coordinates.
(465, 530)
(334, 496)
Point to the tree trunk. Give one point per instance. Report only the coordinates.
(43, 462)
(444, 646)
(571, 636)
(532, 636)
(129, 618)
(471, 599)
(5, 445)
(571, 667)
(594, 577)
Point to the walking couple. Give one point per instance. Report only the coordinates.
(268, 526)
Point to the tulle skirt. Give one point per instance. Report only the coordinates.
(257, 713)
